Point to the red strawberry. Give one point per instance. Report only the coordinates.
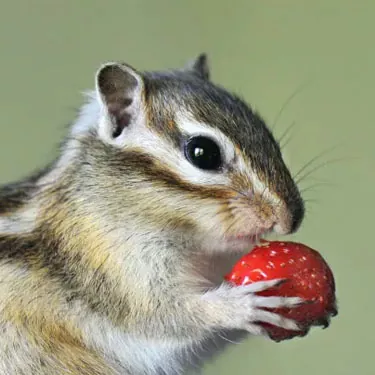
(307, 275)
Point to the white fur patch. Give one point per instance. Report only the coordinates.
(17, 356)
(88, 115)
(22, 221)
(68, 154)
(139, 355)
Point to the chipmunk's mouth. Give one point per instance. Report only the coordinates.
(245, 237)
(253, 238)
(247, 241)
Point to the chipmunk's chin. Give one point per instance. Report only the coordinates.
(240, 245)
(236, 244)
(243, 242)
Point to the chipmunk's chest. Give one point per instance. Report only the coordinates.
(158, 356)
(133, 354)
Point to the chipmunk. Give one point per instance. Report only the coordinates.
(112, 257)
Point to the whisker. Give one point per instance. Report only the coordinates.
(224, 210)
(287, 130)
(307, 174)
(238, 210)
(228, 340)
(234, 222)
(287, 102)
(313, 186)
(315, 158)
(263, 192)
(233, 189)
(240, 203)
(282, 146)
(310, 200)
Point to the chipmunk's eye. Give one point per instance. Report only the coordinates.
(203, 152)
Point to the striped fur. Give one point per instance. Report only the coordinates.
(111, 257)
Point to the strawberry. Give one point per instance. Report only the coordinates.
(306, 274)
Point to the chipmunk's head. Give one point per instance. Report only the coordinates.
(172, 151)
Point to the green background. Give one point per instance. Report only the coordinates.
(321, 51)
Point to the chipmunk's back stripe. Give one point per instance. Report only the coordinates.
(11, 199)
(13, 196)
(18, 211)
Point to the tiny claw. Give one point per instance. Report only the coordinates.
(304, 332)
(324, 322)
(334, 312)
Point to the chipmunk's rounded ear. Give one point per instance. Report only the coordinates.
(199, 66)
(119, 88)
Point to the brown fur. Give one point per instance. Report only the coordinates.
(113, 239)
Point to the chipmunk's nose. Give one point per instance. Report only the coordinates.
(289, 216)
(283, 216)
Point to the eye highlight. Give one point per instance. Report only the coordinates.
(203, 153)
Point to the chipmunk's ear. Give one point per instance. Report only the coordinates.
(119, 88)
(199, 66)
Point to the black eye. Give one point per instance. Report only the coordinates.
(203, 152)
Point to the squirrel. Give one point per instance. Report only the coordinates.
(112, 256)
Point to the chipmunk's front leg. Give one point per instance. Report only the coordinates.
(226, 307)
(240, 308)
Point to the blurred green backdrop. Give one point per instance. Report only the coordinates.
(321, 51)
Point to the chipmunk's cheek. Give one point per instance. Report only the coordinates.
(246, 221)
